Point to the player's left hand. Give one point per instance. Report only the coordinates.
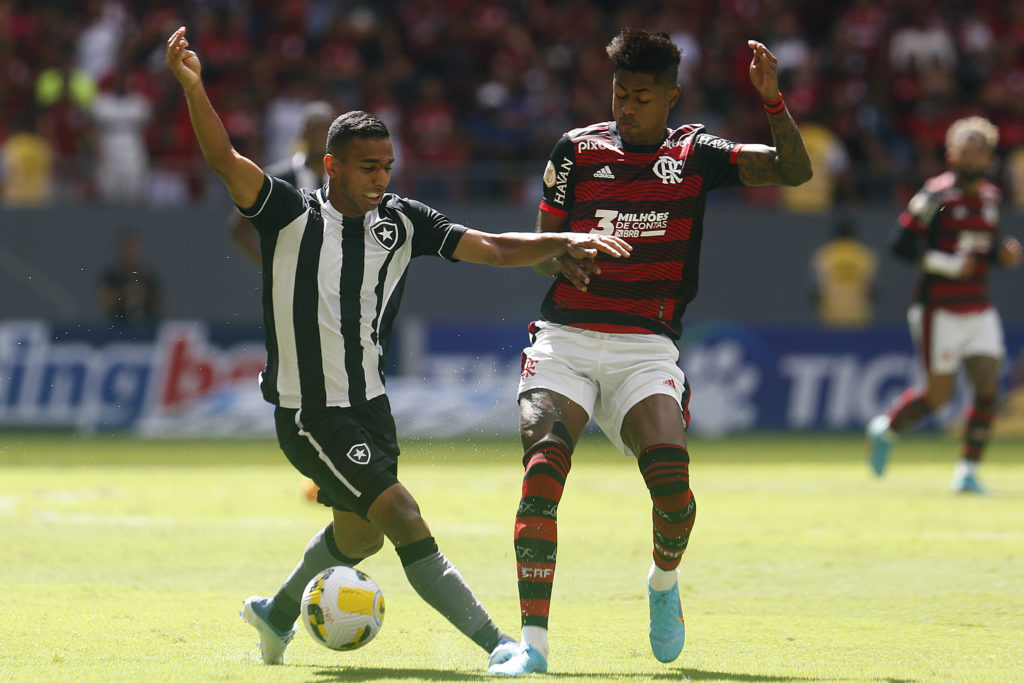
(1010, 253)
(764, 71)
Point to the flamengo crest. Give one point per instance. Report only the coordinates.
(669, 170)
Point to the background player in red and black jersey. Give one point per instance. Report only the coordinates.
(950, 229)
(605, 346)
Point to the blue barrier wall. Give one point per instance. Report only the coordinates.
(188, 378)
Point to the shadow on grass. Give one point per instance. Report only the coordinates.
(374, 674)
(327, 673)
(695, 675)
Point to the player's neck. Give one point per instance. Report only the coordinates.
(969, 186)
(652, 140)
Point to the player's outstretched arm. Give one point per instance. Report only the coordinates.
(787, 162)
(242, 177)
(511, 249)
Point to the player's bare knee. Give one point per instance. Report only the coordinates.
(373, 547)
(546, 431)
(360, 547)
(397, 514)
(986, 396)
(936, 397)
(556, 439)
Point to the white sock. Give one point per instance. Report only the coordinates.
(882, 426)
(537, 638)
(966, 467)
(660, 579)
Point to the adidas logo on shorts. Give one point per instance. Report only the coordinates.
(605, 173)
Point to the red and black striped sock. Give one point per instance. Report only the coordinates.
(666, 471)
(978, 428)
(536, 534)
(909, 409)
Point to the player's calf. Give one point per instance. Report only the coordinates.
(665, 469)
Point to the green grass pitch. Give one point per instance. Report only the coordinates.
(127, 560)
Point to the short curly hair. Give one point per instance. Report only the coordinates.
(634, 49)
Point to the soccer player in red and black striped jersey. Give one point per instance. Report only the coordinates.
(605, 346)
(950, 229)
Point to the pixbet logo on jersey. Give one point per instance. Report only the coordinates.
(623, 224)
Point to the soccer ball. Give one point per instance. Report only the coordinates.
(342, 608)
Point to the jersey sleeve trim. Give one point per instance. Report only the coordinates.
(261, 199)
(735, 153)
(912, 223)
(451, 240)
(553, 210)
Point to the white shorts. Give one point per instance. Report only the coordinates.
(944, 338)
(605, 373)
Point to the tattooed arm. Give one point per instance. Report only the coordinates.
(787, 162)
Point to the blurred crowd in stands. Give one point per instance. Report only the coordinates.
(476, 92)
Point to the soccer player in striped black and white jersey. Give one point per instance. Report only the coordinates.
(334, 266)
(950, 229)
(605, 346)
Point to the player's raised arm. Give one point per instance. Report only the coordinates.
(787, 162)
(242, 177)
(512, 249)
(1009, 253)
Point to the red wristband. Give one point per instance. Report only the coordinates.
(776, 107)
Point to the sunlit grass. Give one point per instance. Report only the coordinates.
(123, 559)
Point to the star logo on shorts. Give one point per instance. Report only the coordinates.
(359, 454)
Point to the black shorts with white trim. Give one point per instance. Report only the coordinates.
(351, 453)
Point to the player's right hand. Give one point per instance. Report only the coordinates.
(577, 264)
(578, 271)
(183, 63)
(587, 245)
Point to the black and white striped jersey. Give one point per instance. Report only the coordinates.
(331, 289)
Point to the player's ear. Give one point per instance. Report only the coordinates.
(329, 164)
(673, 95)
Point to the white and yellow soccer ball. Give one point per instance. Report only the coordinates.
(342, 608)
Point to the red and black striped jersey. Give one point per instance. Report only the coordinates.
(942, 217)
(653, 197)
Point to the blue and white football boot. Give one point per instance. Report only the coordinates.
(668, 631)
(255, 611)
(527, 660)
(880, 440)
